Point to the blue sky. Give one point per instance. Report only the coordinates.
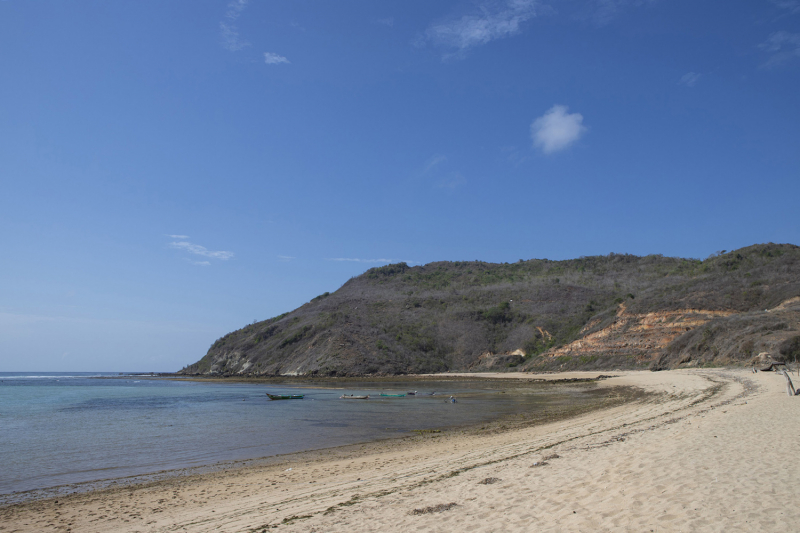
(174, 170)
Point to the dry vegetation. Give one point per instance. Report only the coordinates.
(444, 316)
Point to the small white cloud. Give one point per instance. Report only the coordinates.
(433, 162)
(776, 41)
(452, 181)
(201, 250)
(274, 59)
(179, 237)
(230, 37)
(604, 11)
(389, 21)
(356, 260)
(557, 129)
(199, 263)
(513, 155)
(286, 258)
(227, 27)
(490, 21)
(783, 46)
(437, 172)
(689, 79)
(793, 6)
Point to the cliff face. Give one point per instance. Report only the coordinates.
(634, 336)
(689, 337)
(616, 311)
(738, 337)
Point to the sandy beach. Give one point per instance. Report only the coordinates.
(706, 450)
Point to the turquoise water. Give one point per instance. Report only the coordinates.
(59, 428)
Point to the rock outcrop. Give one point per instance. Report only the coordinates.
(637, 336)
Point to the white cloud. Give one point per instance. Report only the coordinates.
(779, 40)
(556, 129)
(200, 263)
(229, 32)
(513, 155)
(274, 59)
(793, 6)
(783, 46)
(604, 11)
(437, 173)
(286, 258)
(389, 21)
(491, 21)
(179, 237)
(201, 250)
(434, 161)
(356, 260)
(689, 79)
(452, 181)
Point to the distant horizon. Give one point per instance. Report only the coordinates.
(123, 372)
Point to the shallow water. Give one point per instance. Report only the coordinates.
(63, 428)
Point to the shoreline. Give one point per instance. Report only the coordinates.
(502, 423)
(654, 463)
(579, 375)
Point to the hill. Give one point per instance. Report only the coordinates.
(614, 311)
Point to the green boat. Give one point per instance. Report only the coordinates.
(393, 395)
(285, 396)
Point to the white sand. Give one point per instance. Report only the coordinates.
(714, 451)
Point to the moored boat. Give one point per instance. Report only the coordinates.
(285, 396)
(392, 395)
(353, 397)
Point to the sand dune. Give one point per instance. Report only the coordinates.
(709, 450)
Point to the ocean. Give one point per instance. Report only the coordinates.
(67, 428)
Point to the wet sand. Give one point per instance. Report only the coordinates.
(708, 450)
